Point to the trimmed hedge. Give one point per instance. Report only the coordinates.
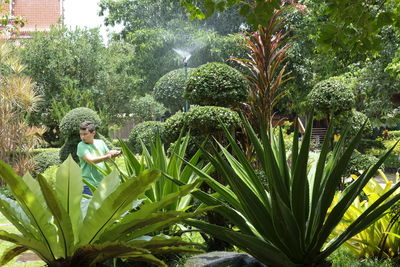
(44, 160)
(69, 128)
(202, 122)
(145, 132)
(69, 125)
(216, 84)
(146, 108)
(169, 89)
(333, 95)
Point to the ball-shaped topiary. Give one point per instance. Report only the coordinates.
(69, 128)
(173, 126)
(331, 96)
(208, 120)
(145, 132)
(201, 121)
(169, 89)
(146, 108)
(216, 84)
(69, 125)
(353, 119)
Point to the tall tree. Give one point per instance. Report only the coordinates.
(77, 63)
(347, 24)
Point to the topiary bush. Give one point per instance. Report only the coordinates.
(169, 89)
(202, 122)
(216, 84)
(69, 128)
(146, 108)
(70, 147)
(207, 120)
(44, 160)
(354, 119)
(146, 132)
(173, 126)
(69, 125)
(331, 96)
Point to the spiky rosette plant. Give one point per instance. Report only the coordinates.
(288, 222)
(53, 225)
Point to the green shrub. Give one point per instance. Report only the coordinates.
(146, 132)
(331, 96)
(70, 147)
(394, 134)
(355, 120)
(216, 84)
(206, 120)
(41, 150)
(45, 159)
(169, 89)
(69, 128)
(366, 144)
(69, 125)
(173, 126)
(201, 121)
(5, 191)
(359, 162)
(392, 163)
(146, 108)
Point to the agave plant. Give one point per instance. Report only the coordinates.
(382, 238)
(289, 223)
(53, 225)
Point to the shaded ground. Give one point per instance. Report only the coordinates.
(27, 259)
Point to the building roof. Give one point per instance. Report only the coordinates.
(40, 15)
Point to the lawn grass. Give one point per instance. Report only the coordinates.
(6, 226)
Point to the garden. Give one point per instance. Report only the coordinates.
(252, 133)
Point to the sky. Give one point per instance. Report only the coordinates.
(83, 13)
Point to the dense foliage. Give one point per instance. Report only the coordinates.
(146, 108)
(169, 89)
(216, 84)
(45, 159)
(352, 121)
(331, 97)
(73, 68)
(299, 200)
(359, 163)
(69, 127)
(202, 122)
(69, 124)
(145, 132)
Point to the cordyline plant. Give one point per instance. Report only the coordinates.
(267, 48)
(116, 223)
(288, 222)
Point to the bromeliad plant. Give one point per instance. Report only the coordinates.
(288, 224)
(53, 225)
(170, 165)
